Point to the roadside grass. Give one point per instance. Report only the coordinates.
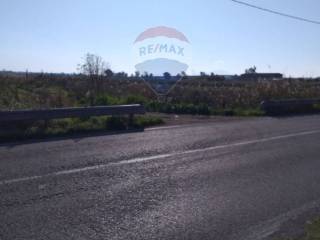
(312, 232)
(202, 109)
(316, 107)
(71, 126)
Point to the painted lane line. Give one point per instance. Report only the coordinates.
(161, 156)
(167, 127)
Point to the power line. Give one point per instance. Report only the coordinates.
(276, 12)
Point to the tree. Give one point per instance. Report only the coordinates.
(203, 74)
(108, 73)
(137, 73)
(167, 75)
(145, 75)
(251, 70)
(93, 67)
(121, 75)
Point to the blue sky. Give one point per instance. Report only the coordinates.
(53, 36)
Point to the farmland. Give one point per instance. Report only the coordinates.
(191, 95)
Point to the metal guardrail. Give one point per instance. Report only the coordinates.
(77, 112)
(290, 106)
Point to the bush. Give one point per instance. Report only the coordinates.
(135, 99)
(147, 121)
(104, 100)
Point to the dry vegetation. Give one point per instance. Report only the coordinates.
(198, 95)
(203, 95)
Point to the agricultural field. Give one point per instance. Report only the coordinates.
(192, 95)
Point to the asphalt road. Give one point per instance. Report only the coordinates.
(243, 179)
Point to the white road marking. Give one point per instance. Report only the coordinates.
(150, 158)
(167, 127)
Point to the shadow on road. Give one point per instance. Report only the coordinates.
(70, 136)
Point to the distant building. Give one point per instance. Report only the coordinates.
(261, 76)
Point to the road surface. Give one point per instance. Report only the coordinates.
(243, 179)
